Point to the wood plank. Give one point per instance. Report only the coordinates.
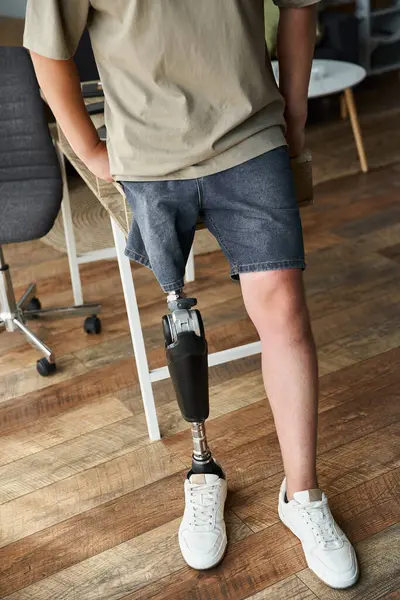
(379, 559)
(375, 204)
(256, 505)
(74, 456)
(373, 340)
(48, 432)
(261, 558)
(360, 345)
(26, 380)
(370, 222)
(92, 532)
(339, 470)
(374, 311)
(350, 464)
(50, 505)
(370, 507)
(336, 425)
(60, 397)
(344, 297)
(370, 374)
(345, 268)
(291, 588)
(392, 252)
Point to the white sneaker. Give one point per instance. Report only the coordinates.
(202, 533)
(328, 552)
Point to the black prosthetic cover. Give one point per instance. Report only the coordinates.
(188, 367)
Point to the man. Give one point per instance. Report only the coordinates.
(196, 123)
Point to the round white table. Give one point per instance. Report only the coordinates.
(332, 77)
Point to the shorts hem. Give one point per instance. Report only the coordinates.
(137, 258)
(267, 266)
(174, 286)
(167, 287)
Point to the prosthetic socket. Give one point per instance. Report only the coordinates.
(186, 349)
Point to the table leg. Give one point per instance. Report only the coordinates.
(351, 107)
(132, 309)
(69, 234)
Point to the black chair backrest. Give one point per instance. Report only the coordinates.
(30, 178)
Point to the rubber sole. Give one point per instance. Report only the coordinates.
(213, 566)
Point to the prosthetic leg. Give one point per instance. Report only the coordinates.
(186, 349)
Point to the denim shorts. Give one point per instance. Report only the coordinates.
(251, 209)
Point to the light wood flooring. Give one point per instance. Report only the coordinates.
(89, 509)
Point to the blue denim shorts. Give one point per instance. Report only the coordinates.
(251, 209)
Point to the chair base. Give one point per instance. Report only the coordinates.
(13, 316)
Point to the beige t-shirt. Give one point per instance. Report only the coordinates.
(187, 88)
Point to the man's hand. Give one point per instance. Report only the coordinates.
(97, 161)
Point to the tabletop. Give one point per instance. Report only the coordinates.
(330, 76)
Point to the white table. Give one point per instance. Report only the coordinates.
(332, 77)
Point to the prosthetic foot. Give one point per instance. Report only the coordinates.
(202, 533)
(186, 349)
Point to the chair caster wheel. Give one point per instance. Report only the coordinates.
(92, 325)
(45, 368)
(34, 304)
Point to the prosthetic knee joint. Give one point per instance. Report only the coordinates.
(186, 349)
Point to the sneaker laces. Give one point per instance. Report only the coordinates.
(322, 523)
(202, 504)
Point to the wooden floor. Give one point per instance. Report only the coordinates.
(89, 509)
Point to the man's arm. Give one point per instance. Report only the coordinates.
(60, 84)
(296, 41)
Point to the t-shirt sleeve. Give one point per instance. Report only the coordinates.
(53, 28)
(294, 3)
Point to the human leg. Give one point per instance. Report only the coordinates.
(253, 212)
(202, 533)
(276, 304)
(161, 236)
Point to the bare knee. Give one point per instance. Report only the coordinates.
(275, 302)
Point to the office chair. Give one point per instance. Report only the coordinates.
(30, 195)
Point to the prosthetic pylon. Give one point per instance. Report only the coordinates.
(186, 349)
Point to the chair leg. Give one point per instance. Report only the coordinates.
(8, 305)
(27, 296)
(64, 311)
(351, 106)
(35, 341)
